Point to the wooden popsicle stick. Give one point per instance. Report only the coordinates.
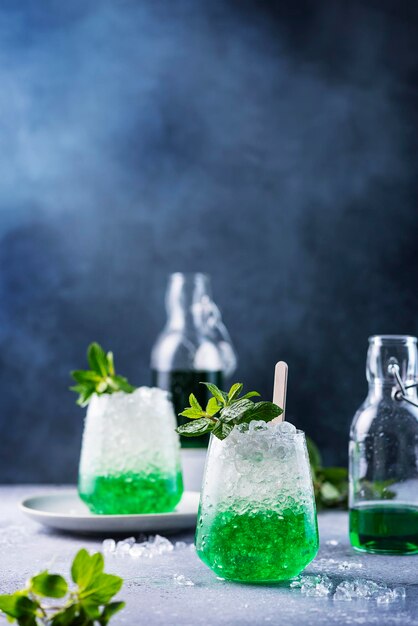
(280, 388)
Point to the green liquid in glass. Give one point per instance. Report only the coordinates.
(384, 528)
(181, 383)
(262, 546)
(131, 493)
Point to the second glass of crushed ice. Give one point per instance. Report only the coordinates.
(130, 456)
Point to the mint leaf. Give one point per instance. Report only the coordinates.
(67, 617)
(236, 412)
(97, 359)
(221, 396)
(314, 454)
(250, 394)
(212, 406)
(329, 493)
(109, 611)
(194, 403)
(86, 605)
(17, 605)
(101, 589)
(335, 475)
(110, 363)
(122, 384)
(49, 585)
(265, 411)
(222, 429)
(85, 568)
(192, 413)
(235, 391)
(198, 427)
(85, 376)
(101, 378)
(224, 411)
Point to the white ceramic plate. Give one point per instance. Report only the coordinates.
(65, 511)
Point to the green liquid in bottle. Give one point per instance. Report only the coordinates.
(181, 383)
(131, 493)
(384, 528)
(262, 546)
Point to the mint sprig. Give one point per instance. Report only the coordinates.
(88, 603)
(224, 411)
(330, 483)
(100, 378)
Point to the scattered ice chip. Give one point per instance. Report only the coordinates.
(183, 581)
(314, 586)
(137, 551)
(130, 540)
(109, 546)
(124, 546)
(386, 597)
(332, 542)
(180, 545)
(162, 544)
(321, 563)
(320, 585)
(349, 565)
(150, 548)
(360, 588)
(400, 592)
(345, 591)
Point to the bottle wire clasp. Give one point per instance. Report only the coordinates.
(401, 393)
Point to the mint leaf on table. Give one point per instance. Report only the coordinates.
(224, 411)
(86, 567)
(100, 378)
(49, 585)
(19, 607)
(109, 611)
(88, 603)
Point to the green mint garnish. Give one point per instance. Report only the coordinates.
(224, 411)
(87, 603)
(100, 378)
(330, 483)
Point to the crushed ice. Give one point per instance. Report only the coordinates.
(183, 581)
(321, 585)
(311, 585)
(349, 565)
(343, 566)
(149, 548)
(314, 586)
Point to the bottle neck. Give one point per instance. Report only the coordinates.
(387, 352)
(379, 390)
(188, 296)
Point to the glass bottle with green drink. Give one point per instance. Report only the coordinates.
(194, 346)
(130, 455)
(384, 451)
(257, 517)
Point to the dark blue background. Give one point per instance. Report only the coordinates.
(273, 145)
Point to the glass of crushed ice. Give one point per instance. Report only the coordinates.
(130, 456)
(257, 519)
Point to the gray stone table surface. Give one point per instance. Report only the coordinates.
(154, 597)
